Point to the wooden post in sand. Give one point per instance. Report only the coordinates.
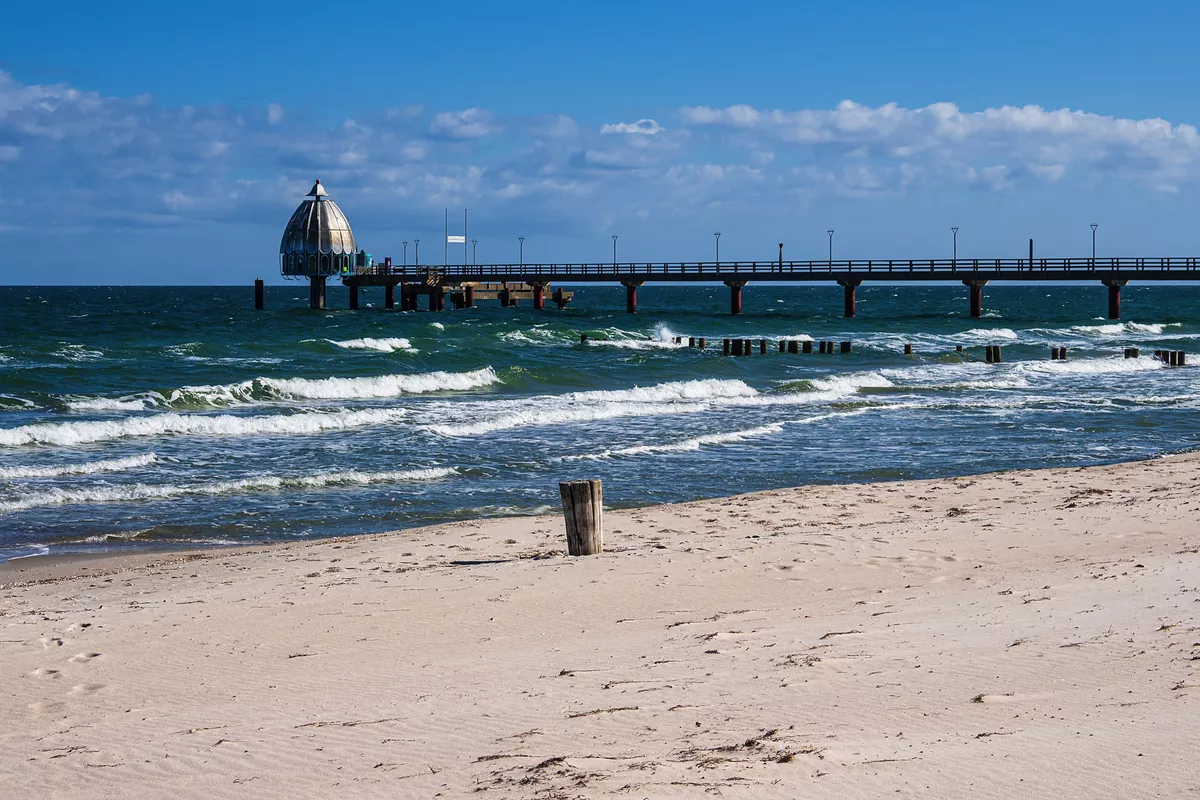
(583, 508)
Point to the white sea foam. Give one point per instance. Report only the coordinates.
(989, 334)
(685, 445)
(379, 345)
(86, 468)
(144, 491)
(662, 339)
(110, 404)
(678, 397)
(263, 390)
(67, 434)
(78, 352)
(376, 387)
(439, 326)
(1091, 366)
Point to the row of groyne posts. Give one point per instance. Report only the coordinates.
(993, 353)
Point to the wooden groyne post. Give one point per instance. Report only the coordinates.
(583, 509)
(258, 294)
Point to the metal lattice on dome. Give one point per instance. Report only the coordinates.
(317, 239)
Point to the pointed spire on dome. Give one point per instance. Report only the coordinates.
(318, 190)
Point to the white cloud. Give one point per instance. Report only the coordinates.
(274, 113)
(643, 127)
(471, 123)
(1038, 142)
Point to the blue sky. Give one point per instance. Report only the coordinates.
(168, 143)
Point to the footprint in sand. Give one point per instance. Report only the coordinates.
(49, 641)
(81, 658)
(43, 672)
(86, 688)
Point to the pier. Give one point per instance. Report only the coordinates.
(533, 280)
(318, 245)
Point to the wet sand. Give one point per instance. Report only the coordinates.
(1019, 634)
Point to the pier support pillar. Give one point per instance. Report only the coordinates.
(468, 296)
(849, 288)
(503, 295)
(631, 288)
(735, 296)
(976, 288)
(389, 296)
(559, 300)
(539, 297)
(316, 292)
(437, 298)
(1114, 298)
(258, 294)
(353, 297)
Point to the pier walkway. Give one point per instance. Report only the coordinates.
(850, 274)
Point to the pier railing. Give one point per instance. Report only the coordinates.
(1187, 268)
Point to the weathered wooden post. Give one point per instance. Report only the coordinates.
(847, 347)
(806, 346)
(702, 343)
(468, 296)
(258, 294)
(389, 296)
(988, 353)
(353, 297)
(958, 348)
(691, 341)
(908, 350)
(1173, 358)
(1182, 358)
(762, 347)
(794, 347)
(583, 509)
(724, 347)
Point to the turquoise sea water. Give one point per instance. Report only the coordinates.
(134, 417)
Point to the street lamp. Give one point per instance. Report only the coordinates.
(718, 236)
(474, 247)
(830, 232)
(406, 254)
(521, 239)
(614, 251)
(416, 252)
(1094, 226)
(955, 251)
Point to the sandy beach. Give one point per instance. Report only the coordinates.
(1022, 634)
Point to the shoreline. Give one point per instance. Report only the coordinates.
(1022, 633)
(53, 566)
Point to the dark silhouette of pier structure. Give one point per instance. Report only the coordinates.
(438, 281)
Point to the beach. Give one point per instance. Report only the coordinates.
(1017, 634)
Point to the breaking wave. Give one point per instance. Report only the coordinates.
(266, 390)
(87, 468)
(75, 433)
(144, 491)
(380, 345)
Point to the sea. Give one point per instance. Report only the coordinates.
(180, 417)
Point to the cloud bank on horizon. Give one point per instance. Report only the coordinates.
(73, 160)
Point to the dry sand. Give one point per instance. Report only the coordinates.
(1028, 634)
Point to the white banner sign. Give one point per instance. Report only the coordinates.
(456, 239)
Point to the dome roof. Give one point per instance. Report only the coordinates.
(317, 226)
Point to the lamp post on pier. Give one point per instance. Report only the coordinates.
(521, 239)
(416, 252)
(1094, 226)
(718, 237)
(830, 232)
(954, 251)
(614, 251)
(406, 254)
(474, 248)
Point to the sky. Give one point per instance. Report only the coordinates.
(166, 143)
